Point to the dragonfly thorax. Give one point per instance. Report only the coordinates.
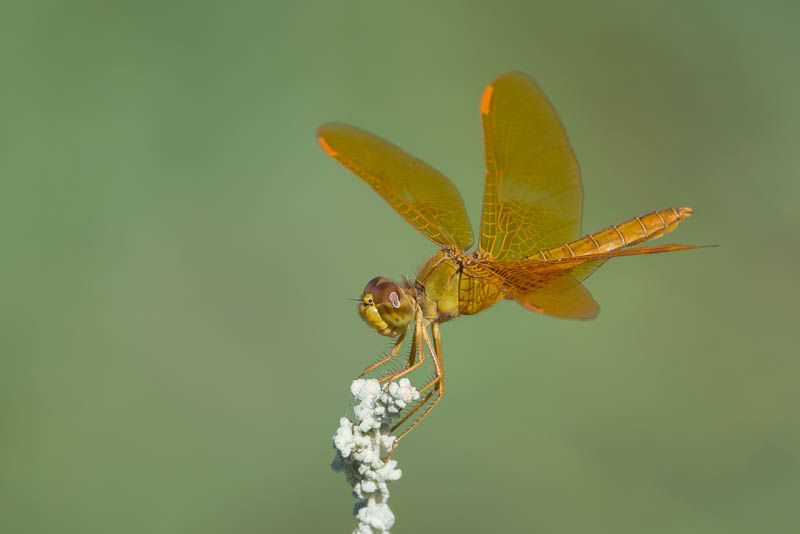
(386, 307)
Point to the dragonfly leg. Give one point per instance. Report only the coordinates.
(416, 348)
(407, 416)
(437, 362)
(392, 354)
(438, 381)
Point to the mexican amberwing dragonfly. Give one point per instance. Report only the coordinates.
(529, 249)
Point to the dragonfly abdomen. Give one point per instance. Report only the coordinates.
(631, 232)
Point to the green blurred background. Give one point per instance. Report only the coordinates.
(176, 347)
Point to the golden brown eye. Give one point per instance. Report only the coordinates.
(384, 290)
(393, 304)
(372, 284)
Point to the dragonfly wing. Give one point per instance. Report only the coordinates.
(554, 287)
(524, 276)
(551, 288)
(533, 196)
(421, 194)
(563, 297)
(635, 251)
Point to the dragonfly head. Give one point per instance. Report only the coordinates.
(386, 307)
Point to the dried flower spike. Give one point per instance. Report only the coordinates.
(359, 446)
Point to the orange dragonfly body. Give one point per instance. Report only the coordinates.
(529, 248)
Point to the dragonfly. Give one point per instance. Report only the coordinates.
(530, 248)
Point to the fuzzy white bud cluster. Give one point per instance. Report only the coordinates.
(359, 446)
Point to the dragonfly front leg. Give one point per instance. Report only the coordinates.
(392, 353)
(416, 348)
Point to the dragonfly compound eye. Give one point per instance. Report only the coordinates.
(369, 289)
(393, 304)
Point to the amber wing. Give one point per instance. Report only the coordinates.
(421, 194)
(533, 195)
(554, 287)
(547, 287)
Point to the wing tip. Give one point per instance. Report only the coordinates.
(326, 147)
(486, 99)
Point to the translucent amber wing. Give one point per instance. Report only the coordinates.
(563, 297)
(533, 195)
(417, 191)
(554, 287)
(636, 251)
(554, 290)
(524, 276)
